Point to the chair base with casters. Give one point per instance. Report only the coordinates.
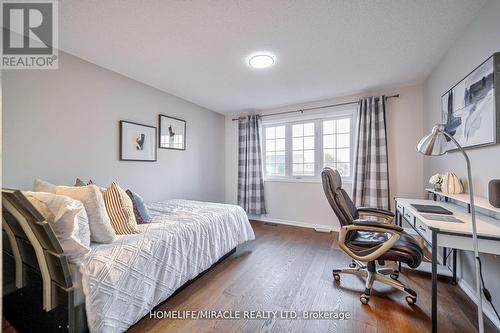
(369, 241)
(371, 274)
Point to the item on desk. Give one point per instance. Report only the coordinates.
(437, 181)
(442, 218)
(431, 209)
(494, 192)
(451, 184)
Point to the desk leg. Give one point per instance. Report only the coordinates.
(444, 256)
(454, 279)
(434, 282)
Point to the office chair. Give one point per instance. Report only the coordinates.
(367, 240)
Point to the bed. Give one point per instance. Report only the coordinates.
(117, 284)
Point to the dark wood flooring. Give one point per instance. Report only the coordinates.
(290, 268)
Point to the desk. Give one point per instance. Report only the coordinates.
(448, 234)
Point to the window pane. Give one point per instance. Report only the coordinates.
(344, 125)
(343, 155)
(344, 169)
(270, 132)
(280, 132)
(309, 142)
(329, 127)
(343, 140)
(280, 144)
(298, 169)
(331, 165)
(298, 130)
(309, 156)
(309, 129)
(329, 155)
(298, 157)
(270, 158)
(280, 169)
(270, 145)
(309, 169)
(297, 144)
(270, 169)
(280, 157)
(329, 141)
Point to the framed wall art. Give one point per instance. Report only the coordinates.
(137, 142)
(172, 133)
(470, 109)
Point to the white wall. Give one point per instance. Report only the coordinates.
(479, 41)
(62, 124)
(304, 203)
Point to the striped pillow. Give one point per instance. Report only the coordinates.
(120, 210)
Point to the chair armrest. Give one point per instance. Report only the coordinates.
(369, 254)
(377, 212)
(378, 225)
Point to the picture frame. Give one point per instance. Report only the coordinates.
(470, 110)
(172, 133)
(137, 142)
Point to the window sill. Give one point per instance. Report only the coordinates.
(304, 180)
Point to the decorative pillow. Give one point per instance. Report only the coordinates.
(120, 210)
(79, 182)
(68, 219)
(101, 230)
(43, 186)
(140, 210)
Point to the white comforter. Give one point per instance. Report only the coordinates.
(123, 281)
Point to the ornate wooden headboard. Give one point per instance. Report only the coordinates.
(35, 248)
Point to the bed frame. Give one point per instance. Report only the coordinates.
(38, 291)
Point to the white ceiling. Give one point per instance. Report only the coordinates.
(196, 49)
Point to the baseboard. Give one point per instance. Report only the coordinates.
(487, 309)
(317, 227)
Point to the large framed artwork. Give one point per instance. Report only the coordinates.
(172, 133)
(470, 109)
(137, 142)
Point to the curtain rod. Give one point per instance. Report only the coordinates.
(316, 108)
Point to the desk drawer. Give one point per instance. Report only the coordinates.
(399, 207)
(424, 231)
(408, 216)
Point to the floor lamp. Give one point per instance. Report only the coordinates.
(435, 144)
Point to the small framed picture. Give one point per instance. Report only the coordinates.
(172, 133)
(137, 142)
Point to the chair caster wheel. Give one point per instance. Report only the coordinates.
(394, 276)
(364, 299)
(336, 277)
(352, 265)
(411, 300)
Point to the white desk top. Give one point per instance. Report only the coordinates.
(480, 202)
(486, 226)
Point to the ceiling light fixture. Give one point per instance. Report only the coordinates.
(260, 60)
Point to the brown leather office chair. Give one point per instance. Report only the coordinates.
(367, 240)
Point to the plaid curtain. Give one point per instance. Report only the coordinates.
(250, 180)
(371, 170)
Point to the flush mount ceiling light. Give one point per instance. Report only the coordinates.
(260, 60)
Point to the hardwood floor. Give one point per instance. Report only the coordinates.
(290, 268)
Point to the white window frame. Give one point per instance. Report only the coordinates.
(318, 144)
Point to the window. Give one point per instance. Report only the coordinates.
(300, 149)
(275, 151)
(303, 149)
(337, 145)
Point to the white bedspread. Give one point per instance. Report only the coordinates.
(123, 281)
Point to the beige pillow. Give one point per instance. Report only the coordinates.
(101, 230)
(68, 220)
(120, 210)
(43, 186)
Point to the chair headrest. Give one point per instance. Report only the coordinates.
(333, 176)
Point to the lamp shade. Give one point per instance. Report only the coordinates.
(433, 144)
